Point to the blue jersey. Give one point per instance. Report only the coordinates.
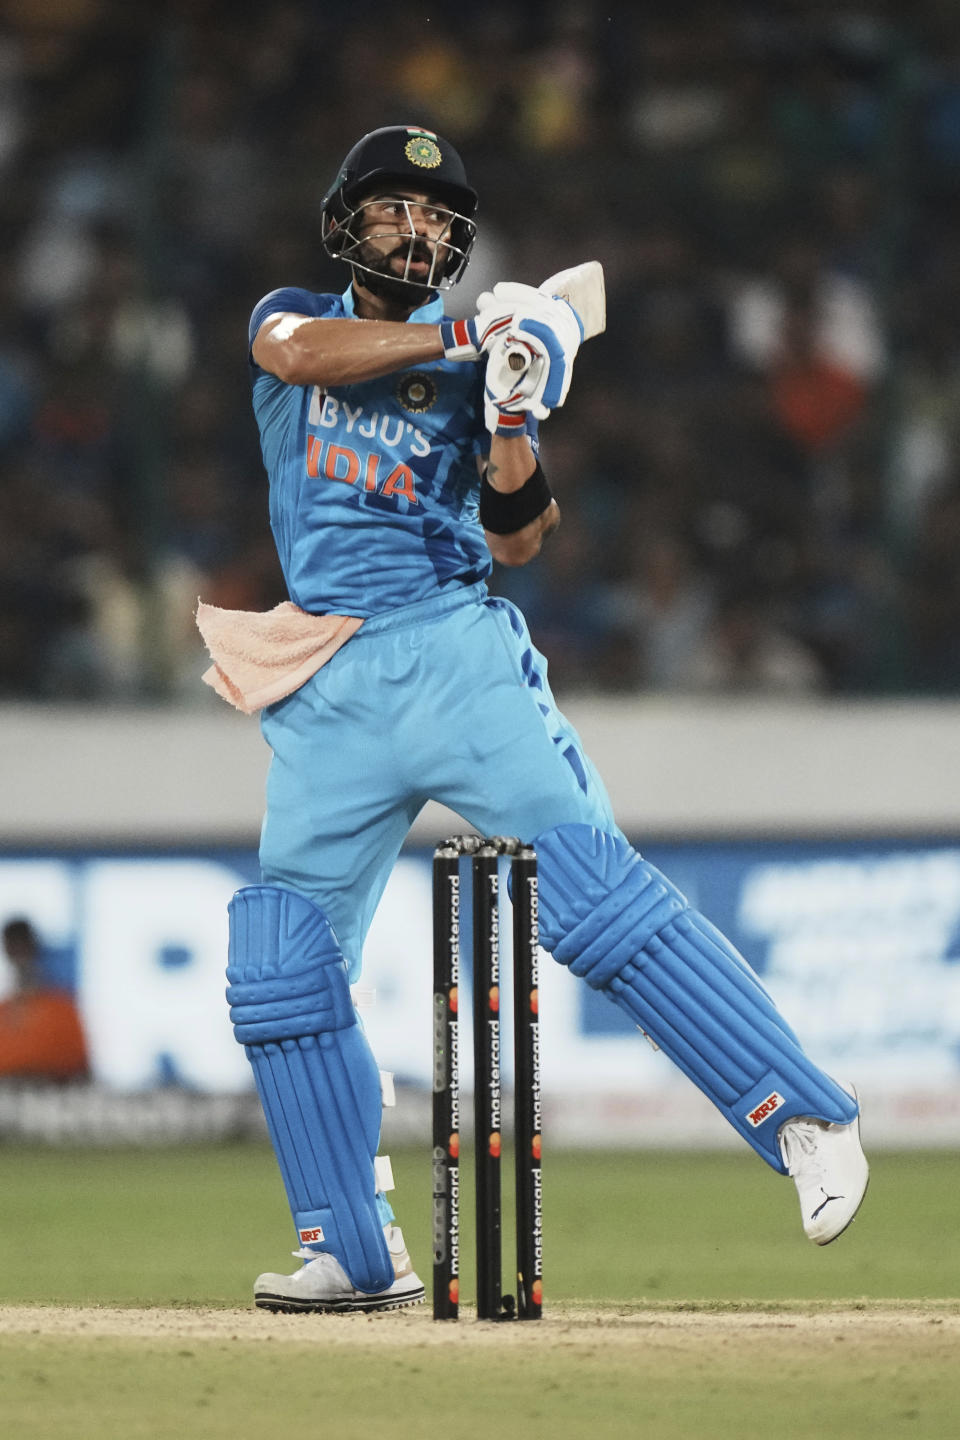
(374, 487)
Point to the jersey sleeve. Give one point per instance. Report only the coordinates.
(288, 300)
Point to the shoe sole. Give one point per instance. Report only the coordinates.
(282, 1304)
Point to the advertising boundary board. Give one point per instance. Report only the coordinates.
(858, 941)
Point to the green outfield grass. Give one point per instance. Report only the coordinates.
(193, 1225)
(681, 1301)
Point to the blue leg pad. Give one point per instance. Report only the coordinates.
(317, 1079)
(619, 923)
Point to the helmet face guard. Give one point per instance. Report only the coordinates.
(401, 158)
(446, 255)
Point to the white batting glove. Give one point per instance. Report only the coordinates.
(509, 392)
(555, 326)
(467, 339)
(552, 310)
(543, 385)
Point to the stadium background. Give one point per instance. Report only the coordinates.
(752, 608)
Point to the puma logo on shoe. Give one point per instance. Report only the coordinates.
(826, 1201)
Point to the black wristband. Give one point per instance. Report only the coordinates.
(506, 514)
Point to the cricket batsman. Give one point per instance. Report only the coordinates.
(401, 448)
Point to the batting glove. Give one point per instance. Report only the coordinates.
(552, 310)
(514, 374)
(553, 327)
(467, 339)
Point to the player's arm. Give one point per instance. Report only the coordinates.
(515, 501)
(310, 350)
(301, 350)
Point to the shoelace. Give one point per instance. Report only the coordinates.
(800, 1142)
(306, 1254)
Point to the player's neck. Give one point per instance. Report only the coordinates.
(368, 306)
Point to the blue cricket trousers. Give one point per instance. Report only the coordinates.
(444, 700)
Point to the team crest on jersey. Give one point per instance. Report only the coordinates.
(417, 392)
(424, 151)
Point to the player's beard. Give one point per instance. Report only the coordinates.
(381, 281)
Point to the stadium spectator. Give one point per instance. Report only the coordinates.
(41, 1036)
(772, 191)
(747, 653)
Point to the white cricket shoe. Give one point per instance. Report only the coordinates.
(830, 1171)
(321, 1284)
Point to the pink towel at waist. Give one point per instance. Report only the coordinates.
(259, 657)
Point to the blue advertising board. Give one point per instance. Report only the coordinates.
(859, 943)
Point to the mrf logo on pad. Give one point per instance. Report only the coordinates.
(765, 1109)
(311, 1236)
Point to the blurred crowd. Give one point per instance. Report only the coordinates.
(759, 463)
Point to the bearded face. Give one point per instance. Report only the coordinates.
(404, 244)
